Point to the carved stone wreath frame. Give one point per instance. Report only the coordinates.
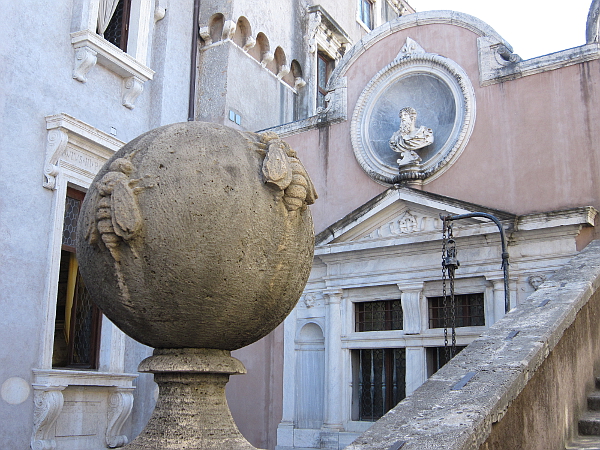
(413, 61)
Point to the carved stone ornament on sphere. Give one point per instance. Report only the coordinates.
(196, 239)
(416, 81)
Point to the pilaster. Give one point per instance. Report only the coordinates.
(333, 361)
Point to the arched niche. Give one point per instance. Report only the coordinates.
(215, 26)
(310, 377)
(281, 65)
(243, 34)
(295, 77)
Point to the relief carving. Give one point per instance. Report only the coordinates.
(406, 223)
(535, 281)
(85, 59)
(120, 404)
(56, 145)
(117, 217)
(48, 401)
(132, 88)
(409, 138)
(282, 169)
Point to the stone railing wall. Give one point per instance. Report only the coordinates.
(521, 385)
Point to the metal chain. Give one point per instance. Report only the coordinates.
(452, 302)
(444, 240)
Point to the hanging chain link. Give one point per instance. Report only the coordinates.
(444, 241)
(451, 270)
(449, 265)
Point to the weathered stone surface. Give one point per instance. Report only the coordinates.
(191, 412)
(183, 244)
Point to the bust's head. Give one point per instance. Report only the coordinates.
(408, 117)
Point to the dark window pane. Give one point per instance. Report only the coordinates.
(118, 27)
(436, 358)
(379, 315)
(468, 309)
(381, 381)
(70, 223)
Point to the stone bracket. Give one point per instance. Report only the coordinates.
(48, 401)
(120, 404)
(90, 48)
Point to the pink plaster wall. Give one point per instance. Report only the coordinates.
(533, 147)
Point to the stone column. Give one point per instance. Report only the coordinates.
(332, 423)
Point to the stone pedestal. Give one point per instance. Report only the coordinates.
(191, 412)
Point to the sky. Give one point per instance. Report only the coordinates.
(532, 27)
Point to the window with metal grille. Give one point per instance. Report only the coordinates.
(436, 358)
(468, 309)
(78, 319)
(379, 381)
(378, 316)
(365, 13)
(117, 30)
(324, 68)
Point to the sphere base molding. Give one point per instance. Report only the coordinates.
(191, 412)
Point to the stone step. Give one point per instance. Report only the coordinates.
(589, 423)
(584, 443)
(593, 401)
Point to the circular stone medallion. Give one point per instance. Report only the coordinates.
(438, 89)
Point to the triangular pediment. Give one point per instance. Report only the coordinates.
(399, 212)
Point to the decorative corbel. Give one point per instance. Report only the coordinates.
(204, 33)
(313, 24)
(120, 404)
(48, 401)
(229, 28)
(267, 57)
(56, 144)
(160, 10)
(85, 59)
(299, 83)
(249, 43)
(283, 71)
(132, 88)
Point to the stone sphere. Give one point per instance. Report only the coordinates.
(195, 235)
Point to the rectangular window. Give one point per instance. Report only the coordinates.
(78, 319)
(324, 68)
(366, 13)
(468, 310)
(436, 358)
(378, 316)
(379, 381)
(117, 30)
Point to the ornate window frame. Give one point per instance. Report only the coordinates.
(90, 48)
(75, 151)
(414, 60)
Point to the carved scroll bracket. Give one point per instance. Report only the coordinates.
(85, 59)
(120, 404)
(56, 144)
(48, 401)
(132, 88)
